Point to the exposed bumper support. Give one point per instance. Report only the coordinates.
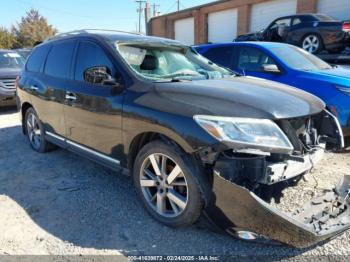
(234, 208)
(282, 171)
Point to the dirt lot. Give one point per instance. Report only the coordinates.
(59, 203)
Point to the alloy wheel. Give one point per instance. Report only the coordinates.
(164, 185)
(311, 43)
(33, 130)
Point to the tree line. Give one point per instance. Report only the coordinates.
(33, 28)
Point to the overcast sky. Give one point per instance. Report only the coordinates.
(67, 15)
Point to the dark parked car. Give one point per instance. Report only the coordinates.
(195, 137)
(312, 32)
(11, 64)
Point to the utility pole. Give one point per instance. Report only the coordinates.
(155, 11)
(178, 5)
(147, 15)
(139, 10)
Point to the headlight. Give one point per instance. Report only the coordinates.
(344, 89)
(246, 133)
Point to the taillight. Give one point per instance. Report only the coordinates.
(346, 27)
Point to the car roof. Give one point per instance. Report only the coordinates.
(113, 35)
(247, 43)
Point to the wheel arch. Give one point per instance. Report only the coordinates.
(24, 108)
(144, 138)
(312, 33)
(200, 172)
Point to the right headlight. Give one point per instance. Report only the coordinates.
(246, 133)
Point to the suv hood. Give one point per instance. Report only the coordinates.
(240, 96)
(9, 72)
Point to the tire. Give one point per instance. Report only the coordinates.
(35, 132)
(174, 201)
(312, 43)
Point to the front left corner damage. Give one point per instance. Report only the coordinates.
(234, 208)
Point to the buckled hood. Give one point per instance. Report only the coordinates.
(240, 96)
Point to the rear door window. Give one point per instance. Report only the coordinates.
(220, 55)
(37, 58)
(58, 63)
(90, 55)
(252, 59)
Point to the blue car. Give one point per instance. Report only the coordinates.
(289, 65)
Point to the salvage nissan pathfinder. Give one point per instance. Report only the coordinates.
(195, 137)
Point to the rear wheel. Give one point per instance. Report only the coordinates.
(35, 132)
(164, 179)
(312, 43)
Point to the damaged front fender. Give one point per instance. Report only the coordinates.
(234, 208)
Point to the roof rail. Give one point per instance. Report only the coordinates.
(86, 31)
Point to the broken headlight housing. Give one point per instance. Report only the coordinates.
(246, 133)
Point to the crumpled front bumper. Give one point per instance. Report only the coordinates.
(235, 209)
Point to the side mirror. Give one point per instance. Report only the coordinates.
(97, 75)
(270, 68)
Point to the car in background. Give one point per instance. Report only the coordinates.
(312, 32)
(24, 52)
(290, 65)
(181, 126)
(11, 63)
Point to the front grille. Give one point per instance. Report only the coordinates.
(9, 83)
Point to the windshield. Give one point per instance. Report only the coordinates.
(11, 60)
(161, 62)
(298, 58)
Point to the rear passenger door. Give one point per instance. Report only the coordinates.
(49, 87)
(220, 55)
(93, 110)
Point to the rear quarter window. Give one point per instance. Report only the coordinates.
(37, 58)
(59, 60)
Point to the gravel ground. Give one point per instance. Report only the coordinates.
(59, 203)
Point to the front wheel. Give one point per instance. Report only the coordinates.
(312, 43)
(165, 182)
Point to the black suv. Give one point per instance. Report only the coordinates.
(195, 137)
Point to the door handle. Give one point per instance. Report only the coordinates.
(33, 87)
(71, 96)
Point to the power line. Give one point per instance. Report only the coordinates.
(64, 12)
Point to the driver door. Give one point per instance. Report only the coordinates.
(278, 30)
(93, 110)
(251, 61)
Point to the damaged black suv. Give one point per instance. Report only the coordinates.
(195, 137)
